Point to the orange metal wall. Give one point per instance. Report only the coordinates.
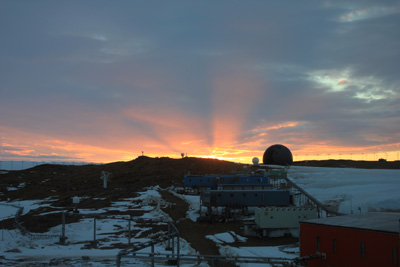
(378, 246)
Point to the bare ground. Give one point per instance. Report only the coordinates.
(195, 233)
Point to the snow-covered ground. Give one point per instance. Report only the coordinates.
(371, 190)
(23, 251)
(357, 190)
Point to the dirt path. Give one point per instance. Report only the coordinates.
(192, 232)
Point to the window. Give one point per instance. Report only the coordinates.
(362, 247)
(334, 245)
(317, 243)
(394, 255)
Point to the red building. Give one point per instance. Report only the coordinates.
(370, 239)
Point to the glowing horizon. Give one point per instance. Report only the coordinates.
(62, 151)
(389, 156)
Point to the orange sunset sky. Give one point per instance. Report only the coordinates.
(102, 81)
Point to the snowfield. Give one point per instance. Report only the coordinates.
(369, 190)
(353, 190)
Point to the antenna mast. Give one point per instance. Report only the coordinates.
(105, 176)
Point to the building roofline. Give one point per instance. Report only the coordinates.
(385, 222)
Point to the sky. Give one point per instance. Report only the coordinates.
(103, 81)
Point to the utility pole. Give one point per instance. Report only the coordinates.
(62, 237)
(68, 179)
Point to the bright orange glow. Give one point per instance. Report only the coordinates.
(168, 134)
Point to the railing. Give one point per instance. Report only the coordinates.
(21, 228)
(172, 234)
(313, 200)
(211, 259)
(177, 258)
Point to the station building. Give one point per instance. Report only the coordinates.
(369, 239)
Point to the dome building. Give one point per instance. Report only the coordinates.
(278, 155)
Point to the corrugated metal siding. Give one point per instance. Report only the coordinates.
(213, 180)
(342, 246)
(283, 217)
(244, 187)
(248, 198)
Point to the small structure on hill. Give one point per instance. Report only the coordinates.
(106, 176)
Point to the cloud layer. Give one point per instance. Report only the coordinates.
(103, 81)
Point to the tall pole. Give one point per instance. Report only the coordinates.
(63, 226)
(173, 247)
(68, 179)
(129, 231)
(62, 238)
(169, 239)
(177, 251)
(152, 254)
(94, 229)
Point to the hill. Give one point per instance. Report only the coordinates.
(363, 164)
(49, 180)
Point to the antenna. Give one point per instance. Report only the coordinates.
(106, 176)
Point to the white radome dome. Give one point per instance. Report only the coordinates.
(255, 161)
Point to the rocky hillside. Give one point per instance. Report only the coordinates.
(66, 180)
